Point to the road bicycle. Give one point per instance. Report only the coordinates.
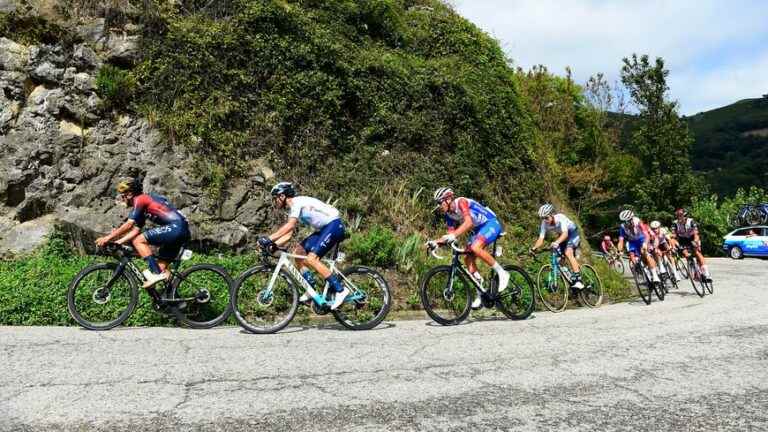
(643, 278)
(555, 283)
(679, 262)
(103, 295)
(265, 297)
(667, 275)
(750, 214)
(701, 284)
(447, 291)
(614, 261)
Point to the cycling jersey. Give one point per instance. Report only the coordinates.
(685, 230)
(313, 212)
(560, 225)
(155, 208)
(636, 230)
(460, 207)
(607, 246)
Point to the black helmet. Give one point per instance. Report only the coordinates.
(134, 185)
(284, 188)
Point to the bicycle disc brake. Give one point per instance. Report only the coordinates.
(265, 298)
(101, 296)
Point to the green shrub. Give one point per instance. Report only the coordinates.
(32, 30)
(116, 86)
(376, 247)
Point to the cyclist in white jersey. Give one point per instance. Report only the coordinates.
(567, 238)
(329, 231)
(687, 232)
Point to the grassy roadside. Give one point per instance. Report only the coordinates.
(33, 288)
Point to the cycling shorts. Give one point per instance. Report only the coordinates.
(573, 241)
(635, 246)
(320, 242)
(487, 232)
(170, 239)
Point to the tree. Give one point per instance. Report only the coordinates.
(661, 140)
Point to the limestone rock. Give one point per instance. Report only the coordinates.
(123, 49)
(13, 57)
(26, 237)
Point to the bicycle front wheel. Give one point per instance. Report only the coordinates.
(446, 300)
(642, 282)
(205, 290)
(517, 300)
(260, 308)
(368, 303)
(617, 266)
(102, 296)
(553, 289)
(695, 276)
(682, 267)
(592, 293)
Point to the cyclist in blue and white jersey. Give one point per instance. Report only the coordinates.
(464, 215)
(329, 231)
(635, 232)
(567, 240)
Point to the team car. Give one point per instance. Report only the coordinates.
(748, 241)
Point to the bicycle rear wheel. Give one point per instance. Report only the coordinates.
(553, 289)
(369, 301)
(258, 309)
(205, 289)
(592, 293)
(446, 300)
(102, 296)
(670, 272)
(642, 283)
(517, 300)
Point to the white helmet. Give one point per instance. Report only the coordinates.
(546, 210)
(655, 224)
(442, 193)
(626, 215)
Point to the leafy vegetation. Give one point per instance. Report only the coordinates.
(115, 86)
(31, 29)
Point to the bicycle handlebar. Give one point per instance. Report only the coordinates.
(452, 245)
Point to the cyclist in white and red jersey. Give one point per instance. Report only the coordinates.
(329, 231)
(635, 232)
(464, 215)
(687, 234)
(661, 245)
(567, 241)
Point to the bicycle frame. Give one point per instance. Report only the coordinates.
(285, 261)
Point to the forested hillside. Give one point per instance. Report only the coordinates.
(731, 147)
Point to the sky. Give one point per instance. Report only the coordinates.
(716, 50)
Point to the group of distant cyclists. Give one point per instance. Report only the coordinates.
(652, 242)
(462, 216)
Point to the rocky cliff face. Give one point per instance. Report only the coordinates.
(61, 154)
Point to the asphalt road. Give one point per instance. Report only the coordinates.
(685, 364)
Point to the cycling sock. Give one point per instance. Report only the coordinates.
(498, 268)
(335, 283)
(309, 277)
(152, 264)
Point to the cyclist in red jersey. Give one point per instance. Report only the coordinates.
(170, 234)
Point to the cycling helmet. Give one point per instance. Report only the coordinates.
(607, 237)
(442, 194)
(655, 224)
(284, 188)
(680, 212)
(626, 215)
(133, 185)
(546, 210)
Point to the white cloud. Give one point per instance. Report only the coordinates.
(593, 36)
